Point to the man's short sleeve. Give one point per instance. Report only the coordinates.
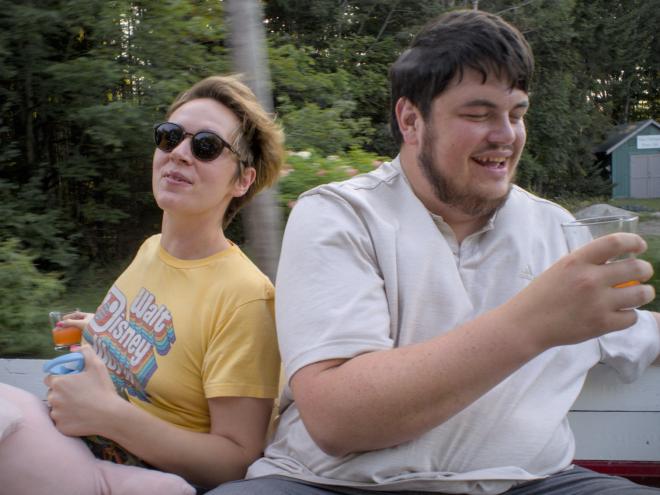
(330, 297)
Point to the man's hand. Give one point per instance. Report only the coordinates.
(576, 299)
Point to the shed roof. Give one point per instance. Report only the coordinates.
(621, 133)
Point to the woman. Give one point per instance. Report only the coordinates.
(186, 333)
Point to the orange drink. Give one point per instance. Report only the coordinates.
(65, 337)
(580, 232)
(630, 283)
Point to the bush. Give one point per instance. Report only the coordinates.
(25, 296)
(307, 169)
(328, 130)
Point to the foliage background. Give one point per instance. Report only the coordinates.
(81, 82)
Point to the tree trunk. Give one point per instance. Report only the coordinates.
(29, 120)
(262, 217)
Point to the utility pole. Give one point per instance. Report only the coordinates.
(475, 4)
(261, 217)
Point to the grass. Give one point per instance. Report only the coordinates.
(90, 286)
(652, 255)
(86, 294)
(637, 204)
(643, 207)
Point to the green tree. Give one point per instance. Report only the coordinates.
(24, 293)
(82, 82)
(29, 39)
(345, 49)
(563, 124)
(620, 50)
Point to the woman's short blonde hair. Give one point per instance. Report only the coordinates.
(259, 141)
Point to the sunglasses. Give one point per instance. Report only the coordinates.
(205, 145)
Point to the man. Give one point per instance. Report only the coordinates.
(433, 329)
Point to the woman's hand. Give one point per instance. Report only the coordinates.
(78, 319)
(82, 404)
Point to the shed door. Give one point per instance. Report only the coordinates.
(645, 176)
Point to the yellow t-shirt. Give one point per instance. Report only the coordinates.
(174, 333)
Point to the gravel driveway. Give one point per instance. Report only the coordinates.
(650, 225)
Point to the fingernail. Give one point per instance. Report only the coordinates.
(75, 347)
(59, 324)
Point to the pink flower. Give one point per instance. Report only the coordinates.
(291, 203)
(286, 170)
(321, 172)
(351, 171)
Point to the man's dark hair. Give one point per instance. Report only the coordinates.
(445, 47)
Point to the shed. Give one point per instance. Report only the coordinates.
(632, 153)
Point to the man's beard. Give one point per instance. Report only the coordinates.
(466, 201)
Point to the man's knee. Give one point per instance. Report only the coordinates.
(261, 486)
(231, 487)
